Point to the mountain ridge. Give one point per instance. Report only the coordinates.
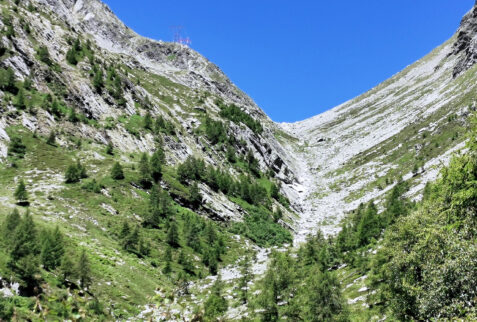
(201, 174)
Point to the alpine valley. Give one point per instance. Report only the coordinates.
(137, 182)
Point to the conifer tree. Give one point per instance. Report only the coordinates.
(117, 171)
(21, 194)
(20, 99)
(168, 259)
(81, 170)
(52, 249)
(125, 230)
(321, 298)
(194, 196)
(72, 117)
(67, 268)
(84, 270)
(16, 147)
(147, 123)
(156, 166)
(10, 225)
(274, 191)
(72, 174)
(167, 268)
(159, 206)
(131, 242)
(245, 278)
(216, 304)
(25, 239)
(110, 149)
(231, 154)
(173, 235)
(98, 81)
(7, 80)
(51, 138)
(71, 56)
(145, 172)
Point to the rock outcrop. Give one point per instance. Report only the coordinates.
(466, 43)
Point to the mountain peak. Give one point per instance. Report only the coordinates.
(466, 43)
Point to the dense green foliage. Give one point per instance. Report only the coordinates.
(75, 172)
(302, 288)
(426, 268)
(237, 115)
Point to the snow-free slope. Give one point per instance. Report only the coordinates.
(356, 151)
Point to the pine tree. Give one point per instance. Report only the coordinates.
(98, 82)
(173, 235)
(125, 230)
(168, 254)
(71, 56)
(131, 242)
(72, 174)
(216, 304)
(51, 138)
(72, 117)
(145, 172)
(81, 170)
(54, 109)
(186, 263)
(77, 45)
(84, 270)
(167, 268)
(274, 191)
(52, 249)
(10, 225)
(44, 55)
(67, 268)
(231, 154)
(245, 278)
(194, 196)
(16, 147)
(321, 299)
(168, 259)
(159, 206)
(21, 194)
(110, 149)
(7, 80)
(213, 264)
(156, 166)
(147, 123)
(160, 124)
(117, 171)
(25, 239)
(20, 99)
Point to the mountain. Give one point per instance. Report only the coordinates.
(133, 171)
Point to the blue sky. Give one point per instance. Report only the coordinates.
(298, 58)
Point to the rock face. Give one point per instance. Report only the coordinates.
(371, 140)
(177, 62)
(175, 82)
(328, 164)
(466, 42)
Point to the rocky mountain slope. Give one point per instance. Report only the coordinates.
(407, 126)
(207, 178)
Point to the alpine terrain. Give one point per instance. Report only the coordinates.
(139, 183)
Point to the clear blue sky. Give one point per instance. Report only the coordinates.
(299, 58)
